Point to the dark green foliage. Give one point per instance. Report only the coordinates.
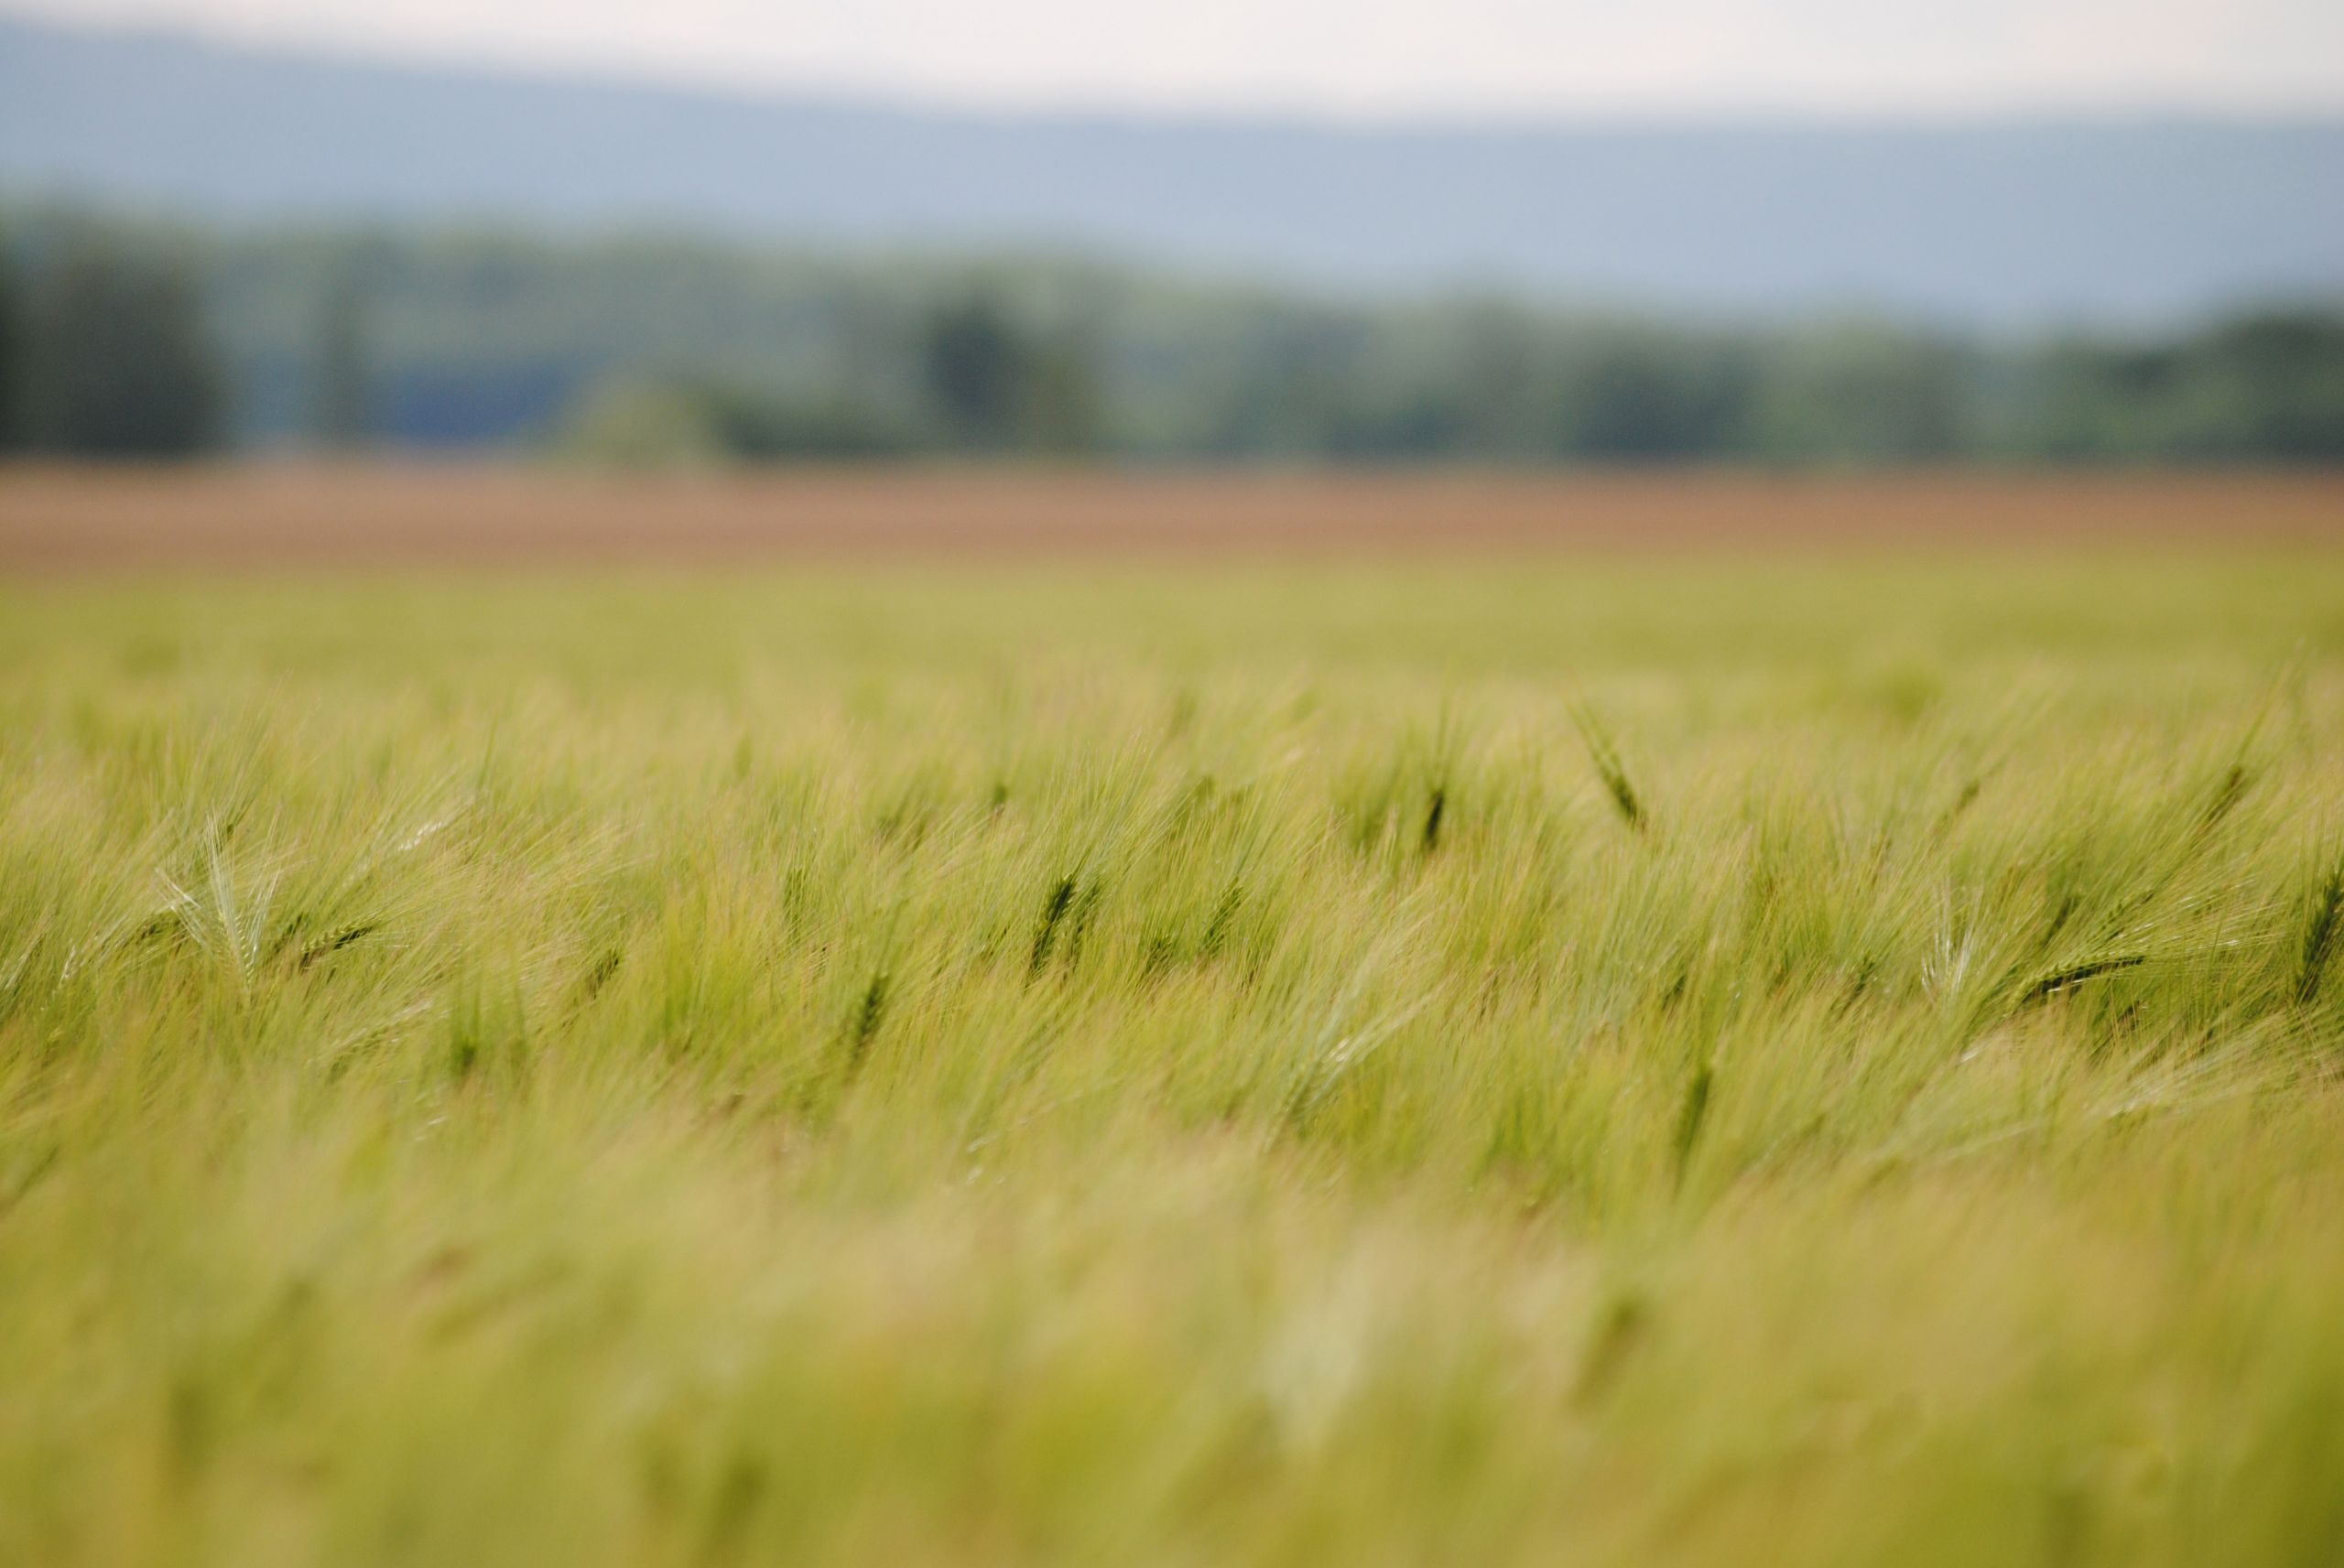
(12, 349)
(976, 368)
(2267, 386)
(342, 388)
(1046, 930)
(1866, 392)
(2074, 975)
(1605, 756)
(115, 359)
(1690, 1115)
(1434, 810)
(2273, 386)
(994, 384)
(1652, 396)
(471, 340)
(335, 941)
(1623, 1326)
(2227, 794)
(2322, 929)
(758, 426)
(603, 970)
(1061, 413)
(865, 1026)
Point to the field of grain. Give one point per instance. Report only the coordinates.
(1757, 1051)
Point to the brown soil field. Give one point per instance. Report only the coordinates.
(287, 515)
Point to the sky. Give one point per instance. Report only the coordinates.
(1368, 58)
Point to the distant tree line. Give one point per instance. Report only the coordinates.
(122, 340)
(104, 353)
(108, 350)
(2267, 387)
(979, 384)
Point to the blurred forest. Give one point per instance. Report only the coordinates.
(122, 339)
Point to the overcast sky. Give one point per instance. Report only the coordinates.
(1372, 57)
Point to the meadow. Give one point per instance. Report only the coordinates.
(1723, 1057)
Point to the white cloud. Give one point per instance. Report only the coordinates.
(1498, 57)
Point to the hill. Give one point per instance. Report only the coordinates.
(1978, 224)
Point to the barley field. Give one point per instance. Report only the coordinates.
(1720, 1057)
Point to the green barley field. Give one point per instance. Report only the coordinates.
(1703, 1060)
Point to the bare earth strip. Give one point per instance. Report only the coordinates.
(290, 514)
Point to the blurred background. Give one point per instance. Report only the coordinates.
(1483, 231)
